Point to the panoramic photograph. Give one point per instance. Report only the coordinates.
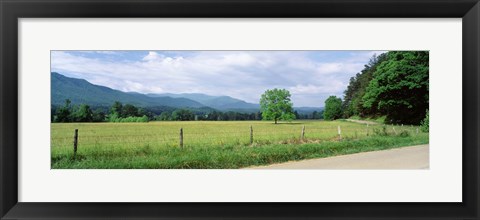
(311, 109)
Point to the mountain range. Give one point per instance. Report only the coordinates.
(81, 91)
(217, 102)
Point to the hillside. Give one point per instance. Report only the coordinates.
(224, 103)
(82, 91)
(308, 110)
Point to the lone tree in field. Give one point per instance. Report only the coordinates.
(333, 108)
(276, 105)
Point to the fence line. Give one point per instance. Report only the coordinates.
(261, 136)
(166, 137)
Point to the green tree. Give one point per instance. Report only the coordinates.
(182, 115)
(258, 115)
(129, 111)
(399, 88)
(115, 112)
(142, 112)
(425, 125)
(165, 116)
(117, 108)
(142, 119)
(83, 114)
(296, 114)
(64, 113)
(333, 108)
(352, 100)
(276, 105)
(316, 115)
(98, 115)
(53, 110)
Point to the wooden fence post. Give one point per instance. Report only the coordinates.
(367, 129)
(339, 132)
(417, 131)
(181, 137)
(394, 130)
(303, 132)
(251, 134)
(75, 143)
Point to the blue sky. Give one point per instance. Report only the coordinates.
(310, 76)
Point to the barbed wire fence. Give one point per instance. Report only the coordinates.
(250, 136)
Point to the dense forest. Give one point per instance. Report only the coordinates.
(392, 84)
(119, 112)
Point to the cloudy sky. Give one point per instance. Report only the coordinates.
(310, 76)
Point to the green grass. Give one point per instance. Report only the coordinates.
(380, 119)
(216, 144)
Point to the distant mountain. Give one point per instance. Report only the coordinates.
(227, 103)
(82, 91)
(223, 103)
(199, 97)
(307, 110)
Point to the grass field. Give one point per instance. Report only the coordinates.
(212, 144)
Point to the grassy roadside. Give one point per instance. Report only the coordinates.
(232, 157)
(380, 120)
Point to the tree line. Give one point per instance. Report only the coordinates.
(189, 115)
(84, 113)
(393, 84)
(119, 112)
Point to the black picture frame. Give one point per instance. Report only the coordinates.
(12, 10)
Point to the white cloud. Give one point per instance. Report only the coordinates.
(333, 87)
(152, 56)
(240, 74)
(107, 52)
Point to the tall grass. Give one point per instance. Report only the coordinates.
(215, 144)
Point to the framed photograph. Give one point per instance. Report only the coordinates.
(239, 109)
(226, 109)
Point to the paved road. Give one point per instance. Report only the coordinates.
(415, 157)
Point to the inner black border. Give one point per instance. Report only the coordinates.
(12, 10)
